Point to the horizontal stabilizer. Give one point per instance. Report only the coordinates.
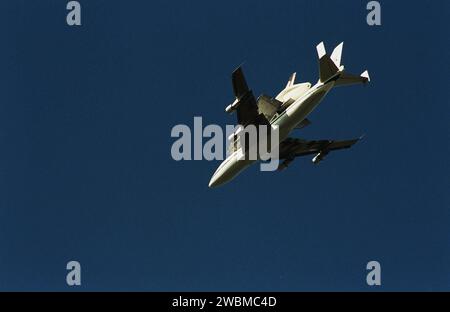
(346, 79)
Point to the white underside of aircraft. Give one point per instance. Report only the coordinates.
(288, 110)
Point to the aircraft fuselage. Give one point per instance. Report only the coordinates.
(286, 122)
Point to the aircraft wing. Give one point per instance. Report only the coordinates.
(247, 110)
(292, 148)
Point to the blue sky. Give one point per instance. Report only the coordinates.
(86, 172)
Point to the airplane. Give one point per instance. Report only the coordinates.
(289, 111)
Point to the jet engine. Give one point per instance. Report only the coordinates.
(232, 107)
(319, 157)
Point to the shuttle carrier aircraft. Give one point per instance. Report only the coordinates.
(289, 111)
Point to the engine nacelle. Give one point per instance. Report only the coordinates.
(319, 157)
(235, 134)
(232, 107)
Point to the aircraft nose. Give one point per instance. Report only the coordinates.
(214, 181)
(219, 177)
(224, 173)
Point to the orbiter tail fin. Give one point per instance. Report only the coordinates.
(291, 80)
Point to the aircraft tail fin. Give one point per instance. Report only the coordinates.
(329, 66)
(337, 54)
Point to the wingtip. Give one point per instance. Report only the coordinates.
(239, 67)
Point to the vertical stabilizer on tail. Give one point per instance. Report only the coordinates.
(327, 68)
(337, 54)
